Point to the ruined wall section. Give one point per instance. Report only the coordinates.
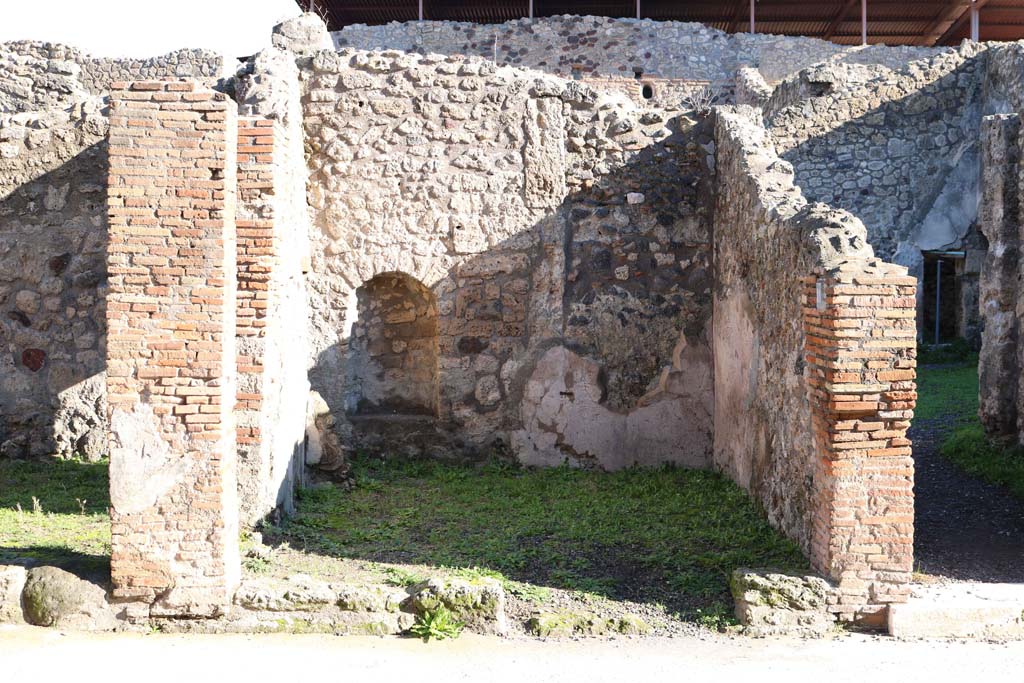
(813, 348)
(896, 147)
(53, 168)
(273, 255)
(38, 75)
(998, 362)
(53, 235)
(687, 54)
(523, 202)
(171, 379)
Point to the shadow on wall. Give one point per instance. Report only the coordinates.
(582, 339)
(53, 243)
(899, 151)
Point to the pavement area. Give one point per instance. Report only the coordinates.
(35, 654)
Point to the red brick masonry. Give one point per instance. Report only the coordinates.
(860, 352)
(171, 355)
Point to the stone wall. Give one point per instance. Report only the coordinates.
(1002, 355)
(789, 363)
(897, 148)
(53, 167)
(602, 47)
(171, 313)
(53, 171)
(36, 75)
(998, 363)
(555, 224)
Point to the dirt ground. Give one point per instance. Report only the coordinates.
(964, 528)
(33, 654)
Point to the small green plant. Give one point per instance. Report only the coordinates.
(398, 576)
(716, 617)
(436, 624)
(256, 565)
(527, 591)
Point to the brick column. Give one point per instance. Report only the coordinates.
(171, 347)
(860, 335)
(257, 258)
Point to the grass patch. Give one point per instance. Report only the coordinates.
(985, 459)
(957, 351)
(56, 512)
(948, 391)
(667, 536)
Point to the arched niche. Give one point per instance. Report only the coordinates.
(392, 366)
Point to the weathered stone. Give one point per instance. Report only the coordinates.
(54, 597)
(303, 35)
(298, 592)
(568, 624)
(1000, 356)
(770, 603)
(368, 598)
(479, 604)
(12, 582)
(960, 610)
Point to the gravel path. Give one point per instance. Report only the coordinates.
(964, 529)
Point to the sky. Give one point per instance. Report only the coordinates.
(146, 28)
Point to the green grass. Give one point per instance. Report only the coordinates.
(948, 391)
(56, 511)
(979, 456)
(667, 536)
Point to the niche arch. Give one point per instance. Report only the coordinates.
(392, 366)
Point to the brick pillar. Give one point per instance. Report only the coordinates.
(860, 335)
(171, 347)
(257, 259)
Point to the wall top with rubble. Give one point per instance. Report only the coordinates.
(602, 46)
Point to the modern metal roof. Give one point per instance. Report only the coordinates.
(894, 22)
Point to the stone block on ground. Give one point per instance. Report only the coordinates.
(12, 582)
(773, 603)
(303, 604)
(960, 610)
(297, 592)
(479, 604)
(565, 624)
(54, 597)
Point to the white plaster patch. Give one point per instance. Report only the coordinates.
(142, 466)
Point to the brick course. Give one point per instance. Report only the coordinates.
(170, 346)
(257, 258)
(860, 343)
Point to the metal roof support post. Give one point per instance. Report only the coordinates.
(975, 24)
(863, 22)
(531, 9)
(421, 10)
(752, 16)
(637, 9)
